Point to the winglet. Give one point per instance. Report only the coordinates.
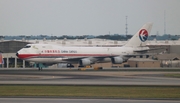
(141, 36)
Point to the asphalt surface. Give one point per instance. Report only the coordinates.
(71, 77)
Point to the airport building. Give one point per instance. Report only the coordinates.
(10, 47)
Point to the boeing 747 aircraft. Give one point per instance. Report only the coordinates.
(49, 54)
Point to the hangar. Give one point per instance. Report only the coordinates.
(8, 50)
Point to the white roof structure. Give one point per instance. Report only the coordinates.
(163, 42)
(94, 42)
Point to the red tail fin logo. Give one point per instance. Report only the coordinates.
(143, 35)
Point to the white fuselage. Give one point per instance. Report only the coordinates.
(46, 53)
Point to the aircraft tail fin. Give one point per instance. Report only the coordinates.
(140, 37)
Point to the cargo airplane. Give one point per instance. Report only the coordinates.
(49, 54)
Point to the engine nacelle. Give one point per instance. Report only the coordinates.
(117, 60)
(84, 62)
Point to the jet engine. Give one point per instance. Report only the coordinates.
(84, 62)
(117, 60)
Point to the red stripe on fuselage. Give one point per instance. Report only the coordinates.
(26, 56)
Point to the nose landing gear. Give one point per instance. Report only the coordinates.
(40, 68)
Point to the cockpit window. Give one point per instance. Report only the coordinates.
(27, 46)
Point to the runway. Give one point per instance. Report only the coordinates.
(74, 77)
(58, 77)
(61, 100)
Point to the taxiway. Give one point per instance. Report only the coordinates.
(68, 77)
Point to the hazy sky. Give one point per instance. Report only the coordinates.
(86, 17)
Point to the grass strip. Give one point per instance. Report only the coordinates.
(91, 91)
(172, 75)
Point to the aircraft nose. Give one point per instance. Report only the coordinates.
(17, 54)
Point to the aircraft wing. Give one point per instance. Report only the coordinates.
(76, 59)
